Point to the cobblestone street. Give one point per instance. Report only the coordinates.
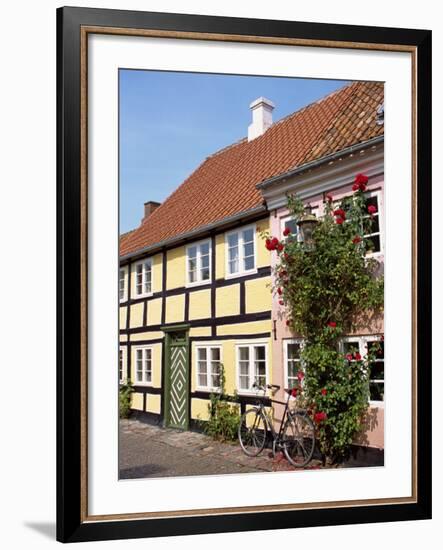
(151, 451)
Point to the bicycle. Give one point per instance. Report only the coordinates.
(296, 436)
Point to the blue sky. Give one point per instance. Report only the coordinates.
(170, 122)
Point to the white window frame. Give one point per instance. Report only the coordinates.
(136, 264)
(199, 280)
(241, 271)
(250, 345)
(143, 382)
(286, 343)
(315, 211)
(371, 193)
(208, 346)
(362, 341)
(125, 284)
(124, 352)
(378, 194)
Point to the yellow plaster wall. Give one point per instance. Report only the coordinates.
(122, 316)
(200, 304)
(153, 403)
(154, 312)
(258, 295)
(263, 255)
(199, 331)
(175, 308)
(176, 268)
(157, 275)
(123, 337)
(199, 409)
(227, 300)
(220, 256)
(136, 317)
(137, 401)
(245, 328)
(155, 335)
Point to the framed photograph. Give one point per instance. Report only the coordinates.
(244, 274)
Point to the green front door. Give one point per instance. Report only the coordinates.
(177, 383)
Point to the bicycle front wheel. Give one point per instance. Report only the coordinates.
(299, 439)
(252, 432)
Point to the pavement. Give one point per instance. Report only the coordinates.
(152, 451)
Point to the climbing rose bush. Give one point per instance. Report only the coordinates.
(321, 292)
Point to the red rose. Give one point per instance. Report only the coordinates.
(356, 239)
(300, 375)
(329, 198)
(279, 291)
(287, 257)
(283, 273)
(332, 324)
(340, 212)
(361, 179)
(320, 416)
(288, 323)
(281, 302)
(268, 244)
(323, 391)
(349, 356)
(357, 356)
(372, 209)
(294, 392)
(271, 244)
(355, 187)
(286, 231)
(280, 247)
(339, 220)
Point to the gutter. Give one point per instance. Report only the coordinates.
(318, 162)
(195, 232)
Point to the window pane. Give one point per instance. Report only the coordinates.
(233, 253)
(376, 391)
(249, 263)
(260, 353)
(205, 274)
(373, 243)
(204, 261)
(233, 266)
(291, 224)
(244, 382)
(232, 240)
(192, 252)
(244, 368)
(244, 354)
(293, 351)
(202, 380)
(192, 276)
(192, 264)
(204, 249)
(248, 235)
(215, 354)
(202, 354)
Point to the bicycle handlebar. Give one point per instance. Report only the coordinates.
(273, 387)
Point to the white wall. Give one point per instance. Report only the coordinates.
(27, 218)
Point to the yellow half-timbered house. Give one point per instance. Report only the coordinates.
(195, 276)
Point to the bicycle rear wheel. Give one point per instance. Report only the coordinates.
(299, 439)
(252, 432)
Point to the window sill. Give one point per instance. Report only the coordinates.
(208, 390)
(147, 295)
(198, 283)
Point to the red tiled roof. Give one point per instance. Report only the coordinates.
(225, 183)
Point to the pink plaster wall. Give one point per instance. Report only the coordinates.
(373, 432)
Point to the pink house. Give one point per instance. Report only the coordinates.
(332, 174)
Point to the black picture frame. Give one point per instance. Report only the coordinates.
(72, 526)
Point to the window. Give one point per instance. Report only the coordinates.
(208, 367)
(143, 278)
(363, 345)
(241, 251)
(377, 372)
(251, 366)
(122, 285)
(198, 257)
(373, 238)
(293, 362)
(121, 364)
(143, 365)
(290, 223)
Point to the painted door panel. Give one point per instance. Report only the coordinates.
(177, 389)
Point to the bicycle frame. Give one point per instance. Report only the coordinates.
(276, 436)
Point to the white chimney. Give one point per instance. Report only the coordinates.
(261, 117)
